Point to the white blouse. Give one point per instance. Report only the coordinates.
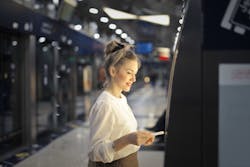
(110, 118)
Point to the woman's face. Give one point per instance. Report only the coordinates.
(125, 75)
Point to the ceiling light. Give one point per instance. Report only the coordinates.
(130, 40)
(112, 26)
(78, 27)
(163, 20)
(156, 19)
(96, 36)
(104, 19)
(116, 14)
(42, 39)
(124, 35)
(93, 10)
(118, 31)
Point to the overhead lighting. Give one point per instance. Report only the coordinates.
(118, 31)
(116, 14)
(78, 27)
(156, 19)
(104, 19)
(163, 20)
(112, 26)
(93, 10)
(124, 35)
(42, 39)
(96, 36)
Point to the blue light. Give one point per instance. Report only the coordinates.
(143, 47)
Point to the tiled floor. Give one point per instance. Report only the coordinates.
(70, 150)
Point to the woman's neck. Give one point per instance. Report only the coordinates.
(114, 91)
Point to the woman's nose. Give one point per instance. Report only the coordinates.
(133, 78)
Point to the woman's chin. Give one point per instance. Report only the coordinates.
(127, 89)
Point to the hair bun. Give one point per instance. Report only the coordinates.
(113, 46)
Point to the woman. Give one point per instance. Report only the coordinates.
(114, 139)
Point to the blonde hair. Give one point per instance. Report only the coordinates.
(116, 53)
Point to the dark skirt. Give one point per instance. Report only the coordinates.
(129, 161)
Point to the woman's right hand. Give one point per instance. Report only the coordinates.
(141, 138)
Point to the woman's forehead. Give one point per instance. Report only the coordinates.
(131, 65)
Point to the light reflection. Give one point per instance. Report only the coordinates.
(42, 39)
(15, 25)
(45, 49)
(14, 43)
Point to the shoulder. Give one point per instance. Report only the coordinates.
(102, 104)
(104, 99)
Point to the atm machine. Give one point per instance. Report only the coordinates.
(209, 107)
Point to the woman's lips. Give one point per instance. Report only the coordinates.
(129, 84)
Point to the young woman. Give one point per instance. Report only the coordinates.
(114, 139)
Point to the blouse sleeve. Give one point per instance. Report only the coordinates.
(101, 125)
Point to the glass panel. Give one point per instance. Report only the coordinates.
(10, 87)
(45, 87)
(65, 96)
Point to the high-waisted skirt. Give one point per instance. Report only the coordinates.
(129, 161)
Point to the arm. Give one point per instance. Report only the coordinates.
(101, 125)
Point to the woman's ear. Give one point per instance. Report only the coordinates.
(112, 71)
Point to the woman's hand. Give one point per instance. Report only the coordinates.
(141, 138)
(137, 138)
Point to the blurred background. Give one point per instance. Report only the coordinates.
(193, 83)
